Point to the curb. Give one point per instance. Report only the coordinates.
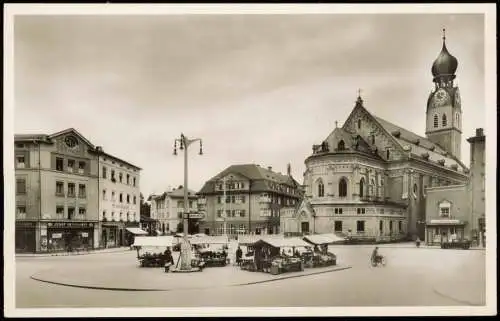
(464, 302)
(72, 254)
(188, 288)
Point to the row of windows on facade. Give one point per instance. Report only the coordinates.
(360, 210)
(231, 229)
(180, 204)
(120, 177)
(241, 185)
(444, 120)
(82, 211)
(71, 190)
(129, 217)
(120, 197)
(232, 213)
(360, 226)
(70, 165)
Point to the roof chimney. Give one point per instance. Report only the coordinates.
(479, 132)
(269, 168)
(289, 169)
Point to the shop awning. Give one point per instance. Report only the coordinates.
(136, 231)
(283, 242)
(162, 241)
(209, 240)
(320, 239)
(445, 222)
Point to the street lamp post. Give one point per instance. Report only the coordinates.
(184, 144)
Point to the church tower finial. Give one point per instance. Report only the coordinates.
(444, 35)
(359, 100)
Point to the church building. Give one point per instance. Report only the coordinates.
(368, 178)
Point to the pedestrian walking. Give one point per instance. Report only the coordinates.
(239, 255)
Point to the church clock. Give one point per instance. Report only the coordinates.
(441, 98)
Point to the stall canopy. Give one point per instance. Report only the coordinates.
(161, 241)
(282, 242)
(320, 239)
(136, 231)
(209, 240)
(251, 239)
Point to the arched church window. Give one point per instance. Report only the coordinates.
(361, 187)
(341, 145)
(444, 120)
(436, 121)
(342, 187)
(321, 189)
(359, 123)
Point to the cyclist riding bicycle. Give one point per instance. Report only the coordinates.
(375, 256)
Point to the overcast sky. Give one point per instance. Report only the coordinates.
(256, 88)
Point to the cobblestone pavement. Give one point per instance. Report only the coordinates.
(412, 277)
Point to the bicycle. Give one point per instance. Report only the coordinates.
(381, 260)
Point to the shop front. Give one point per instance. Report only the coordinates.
(66, 236)
(439, 231)
(113, 234)
(25, 237)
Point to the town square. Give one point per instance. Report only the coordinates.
(171, 160)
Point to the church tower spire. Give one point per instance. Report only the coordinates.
(444, 111)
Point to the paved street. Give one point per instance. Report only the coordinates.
(412, 277)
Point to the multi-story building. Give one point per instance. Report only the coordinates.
(246, 199)
(368, 179)
(460, 209)
(168, 210)
(119, 204)
(57, 192)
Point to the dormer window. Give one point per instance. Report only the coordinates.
(341, 145)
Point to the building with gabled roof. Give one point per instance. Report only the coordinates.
(368, 179)
(61, 198)
(247, 198)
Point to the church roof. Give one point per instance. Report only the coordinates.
(421, 147)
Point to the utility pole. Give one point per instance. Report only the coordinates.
(185, 246)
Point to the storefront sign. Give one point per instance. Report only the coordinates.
(70, 224)
(25, 224)
(57, 235)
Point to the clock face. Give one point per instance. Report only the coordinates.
(440, 98)
(70, 141)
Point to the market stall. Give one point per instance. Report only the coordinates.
(270, 255)
(212, 250)
(150, 249)
(321, 256)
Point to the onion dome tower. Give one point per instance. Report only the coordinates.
(444, 111)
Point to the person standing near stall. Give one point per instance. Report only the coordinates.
(239, 255)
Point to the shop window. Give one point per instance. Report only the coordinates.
(338, 226)
(343, 187)
(360, 226)
(60, 188)
(104, 172)
(82, 193)
(59, 164)
(71, 190)
(20, 186)
(20, 161)
(71, 213)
